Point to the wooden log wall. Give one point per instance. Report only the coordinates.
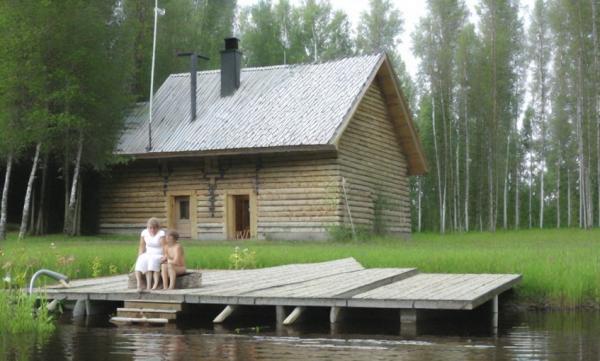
(374, 166)
(297, 195)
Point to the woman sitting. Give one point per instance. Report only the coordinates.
(150, 254)
(175, 264)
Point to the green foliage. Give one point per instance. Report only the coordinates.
(283, 33)
(21, 314)
(96, 267)
(242, 259)
(343, 233)
(380, 205)
(379, 28)
(188, 25)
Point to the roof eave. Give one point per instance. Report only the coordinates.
(319, 148)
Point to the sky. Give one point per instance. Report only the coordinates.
(411, 10)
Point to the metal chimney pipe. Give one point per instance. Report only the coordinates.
(231, 63)
(193, 78)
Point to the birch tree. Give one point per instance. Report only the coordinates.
(539, 54)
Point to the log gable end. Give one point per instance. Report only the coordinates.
(374, 165)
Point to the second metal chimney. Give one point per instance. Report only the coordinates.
(193, 75)
(231, 62)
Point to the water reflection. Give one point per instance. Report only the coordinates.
(522, 336)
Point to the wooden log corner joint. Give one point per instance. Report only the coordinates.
(184, 281)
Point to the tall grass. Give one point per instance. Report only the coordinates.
(561, 268)
(22, 314)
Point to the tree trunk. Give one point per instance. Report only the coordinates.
(542, 80)
(466, 151)
(4, 202)
(583, 207)
(419, 210)
(505, 197)
(530, 188)
(446, 163)
(456, 182)
(40, 227)
(67, 184)
(69, 222)
(32, 212)
(437, 165)
(542, 197)
(596, 100)
(27, 204)
(517, 205)
(558, 191)
(569, 198)
(492, 131)
(77, 215)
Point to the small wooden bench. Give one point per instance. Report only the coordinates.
(183, 281)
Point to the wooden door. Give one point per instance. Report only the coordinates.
(242, 216)
(181, 216)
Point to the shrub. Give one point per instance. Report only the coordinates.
(244, 259)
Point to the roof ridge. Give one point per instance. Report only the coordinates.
(284, 66)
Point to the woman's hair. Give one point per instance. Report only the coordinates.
(153, 223)
(173, 234)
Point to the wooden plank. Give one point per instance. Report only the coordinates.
(148, 313)
(335, 286)
(130, 320)
(152, 305)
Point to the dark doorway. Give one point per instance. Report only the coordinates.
(242, 216)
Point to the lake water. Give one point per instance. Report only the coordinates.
(522, 335)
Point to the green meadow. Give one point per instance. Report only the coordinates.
(560, 268)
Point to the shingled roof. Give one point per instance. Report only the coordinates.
(278, 108)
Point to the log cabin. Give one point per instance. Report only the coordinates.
(279, 152)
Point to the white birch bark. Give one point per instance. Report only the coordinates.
(419, 209)
(4, 202)
(69, 222)
(505, 196)
(517, 197)
(530, 187)
(558, 191)
(27, 203)
(569, 219)
(466, 114)
(596, 100)
(437, 164)
(583, 207)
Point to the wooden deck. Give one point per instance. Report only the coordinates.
(338, 284)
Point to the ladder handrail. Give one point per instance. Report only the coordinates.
(57, 276)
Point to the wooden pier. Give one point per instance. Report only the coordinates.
(340, 284)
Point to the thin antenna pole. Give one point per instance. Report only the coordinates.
(149, 147)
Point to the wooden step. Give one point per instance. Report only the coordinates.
(147, 312)
(138, 320)
(162, 305)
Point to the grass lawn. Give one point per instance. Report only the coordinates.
(561, 268)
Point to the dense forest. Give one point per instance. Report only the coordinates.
(506, 100)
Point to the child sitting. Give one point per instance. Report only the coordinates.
(173, 262)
